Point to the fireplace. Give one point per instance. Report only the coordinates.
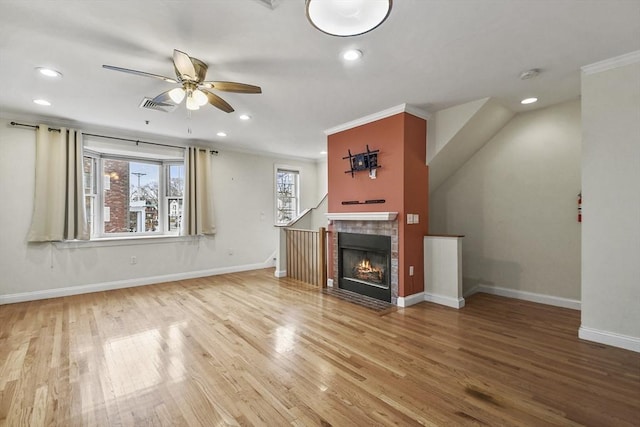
(364, 264)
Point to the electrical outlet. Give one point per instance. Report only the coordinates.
(133, 260)
(411, 270)
(230, 252)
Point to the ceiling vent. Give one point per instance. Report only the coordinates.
(158, 106)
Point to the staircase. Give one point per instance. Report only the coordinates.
(455, 134)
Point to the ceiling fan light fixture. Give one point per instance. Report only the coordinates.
(200, 98)
(177, 95)
(345, 18)
(192, 104)
(190, 75)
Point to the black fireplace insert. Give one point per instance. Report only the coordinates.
(364, 264)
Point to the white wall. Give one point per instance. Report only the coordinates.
(611, 196)
(322, 179)
(515, 202)
(244, 208)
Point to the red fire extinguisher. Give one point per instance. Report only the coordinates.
(580, 207)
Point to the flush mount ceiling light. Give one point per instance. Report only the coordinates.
(352, 55)
(49, 72)
(245, 117)
(344, 18)
(221, 134)
(528, 101)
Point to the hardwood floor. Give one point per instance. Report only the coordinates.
(249, 349)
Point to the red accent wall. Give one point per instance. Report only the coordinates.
(415, 197)
(385, 135)
(402, 181)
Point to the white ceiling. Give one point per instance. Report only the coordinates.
(430, 54)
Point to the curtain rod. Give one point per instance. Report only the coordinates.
(137, 141)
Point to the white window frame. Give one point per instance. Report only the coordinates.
(97, 231)
(292, 169)
(94, 195)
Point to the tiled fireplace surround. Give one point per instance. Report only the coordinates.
(383, 228)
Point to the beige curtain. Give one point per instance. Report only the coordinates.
(197, 216)
(58, 211)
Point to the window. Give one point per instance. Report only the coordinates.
(126, 194)
(174, 195)
(287, 195)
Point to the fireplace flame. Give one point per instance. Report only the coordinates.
(365, 271)
(365, 264)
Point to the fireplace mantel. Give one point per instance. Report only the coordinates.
(362, 216)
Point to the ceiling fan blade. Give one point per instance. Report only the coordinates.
(139, 73)
(218, 102)
(183, 65)
(233, 87)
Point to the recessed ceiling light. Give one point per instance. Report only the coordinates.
(245, 117)
(221, 134)
(352, 55)
(528, 101)
(323, 152)
(42, 102)
(49, 72)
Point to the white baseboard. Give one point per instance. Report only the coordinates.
(410, 300)
(280, 273)
(443, 300)
(526, 296)
(609, 338)
(423, 296)
(120, 284)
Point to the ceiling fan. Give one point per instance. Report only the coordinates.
(190, 74)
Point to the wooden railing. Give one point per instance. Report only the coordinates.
(307, 256)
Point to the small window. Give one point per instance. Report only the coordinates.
(287, 195)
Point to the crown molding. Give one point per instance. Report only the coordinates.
(611, 63)
(402, 108)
